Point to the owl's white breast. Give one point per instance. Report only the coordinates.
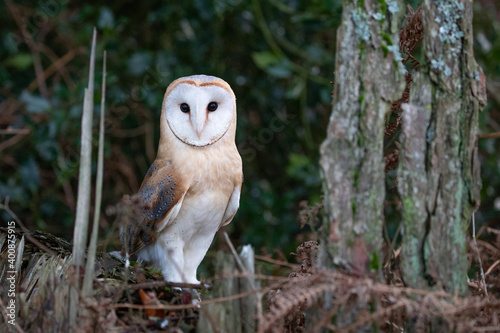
(211, 174)
(200, 215)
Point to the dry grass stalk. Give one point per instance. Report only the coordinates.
(83, 199)
(89, 267)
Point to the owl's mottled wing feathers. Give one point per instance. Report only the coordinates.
(161, 195)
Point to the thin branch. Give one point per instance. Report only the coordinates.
(54, 58)
(15, 131)
(492, 267)
(235, 254)
(54, 67)
(251, 281)
(12, 141)
(268, 37)
(489, 135)
(477, 252)
(183, 306)
(275, 261)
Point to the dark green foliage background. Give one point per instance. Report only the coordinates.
(277, 55)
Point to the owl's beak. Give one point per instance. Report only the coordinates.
(198, 121)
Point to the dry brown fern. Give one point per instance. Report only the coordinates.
(391, 160)
(341, 302)
(309, 215)
(333, 294)
(290, 308)
(410, 35)
(297, 297)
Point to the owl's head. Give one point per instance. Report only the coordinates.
(199, 110)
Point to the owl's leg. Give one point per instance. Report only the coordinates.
(172, 263)
(194, 252)
(168, 255)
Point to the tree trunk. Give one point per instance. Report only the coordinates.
(369, 76)
(438, 176)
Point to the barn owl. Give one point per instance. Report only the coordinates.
(193, 186)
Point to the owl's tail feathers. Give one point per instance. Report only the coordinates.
(136, 231)
(125, 258)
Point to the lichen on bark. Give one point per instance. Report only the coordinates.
(368, 78)
(438, 175)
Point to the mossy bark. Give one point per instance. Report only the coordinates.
(438, 175)
(369, 76)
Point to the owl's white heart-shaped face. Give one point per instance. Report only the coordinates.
(199, 115)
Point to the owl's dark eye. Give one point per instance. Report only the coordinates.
(212, 106)
(184, 108)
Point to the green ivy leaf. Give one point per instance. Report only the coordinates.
(20, 61)
(264, 59)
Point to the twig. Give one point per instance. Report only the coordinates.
(238, 260)
(275, 261)
(492, 267)
(15, 131)
(121, 322)
(63, 71)
(332, 312)
(489, 247)
(54, 67)
(269, 38)
(235, 254)
(12, 141)
(478, 254)
(373, 316)
(250, 280)
(494, 231)
(183, 306)
(227, 298)
(7, 109)
(489, 135)
(244, 275)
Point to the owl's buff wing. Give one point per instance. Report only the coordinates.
(162, 193)
(232, 206)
